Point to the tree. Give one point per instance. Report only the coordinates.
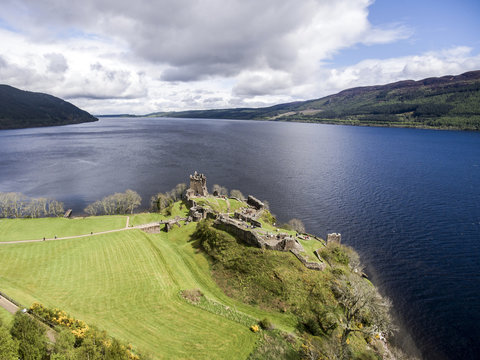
(365, 310)
(237, 194)
(159, 202)
(133, 200)
(118, 203)
(297, 225)
(220, 190)
(30, 335)
(64, 346)
(179, 191)
(8, 346)
(94, 208)
(55, 208)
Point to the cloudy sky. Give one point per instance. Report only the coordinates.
(142, 56)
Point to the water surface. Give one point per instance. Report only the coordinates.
(408, 200)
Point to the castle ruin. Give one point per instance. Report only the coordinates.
(334, 238)
(198, 185)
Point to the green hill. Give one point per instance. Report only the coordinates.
(22, 109)
(448, 102)
(197, 291)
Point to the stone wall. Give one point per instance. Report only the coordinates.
(152, 229)
(237, 229)
(308, 264)
(253, 201)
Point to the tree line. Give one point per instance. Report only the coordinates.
(115, 204)
(17, 205)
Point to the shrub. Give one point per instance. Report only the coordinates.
(313, 327)
(335, 253)
(266, 324)
(237, 194)
(297, 225)
(192, 295)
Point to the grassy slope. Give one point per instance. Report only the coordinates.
(127, 283)
(219, 204)
(29, 229)
(178, 209)
(5, 317)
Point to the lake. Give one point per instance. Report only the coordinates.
(407, 200)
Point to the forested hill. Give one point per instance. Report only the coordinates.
(22, 109)
(448, 102)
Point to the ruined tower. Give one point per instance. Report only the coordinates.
(334, 238)
(198, 185)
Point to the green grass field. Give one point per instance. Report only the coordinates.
(310, 246)
(178, 209)
(128, 284)
(31, 229)
(220, 205)
(5, 317)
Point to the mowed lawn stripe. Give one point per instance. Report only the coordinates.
(126, 283)
(34, 229)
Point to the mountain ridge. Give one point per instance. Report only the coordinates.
(24, 109)
(447, 102)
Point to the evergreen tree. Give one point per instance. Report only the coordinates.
(30, 335)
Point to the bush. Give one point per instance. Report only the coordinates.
(297, 225)
(313, 327)
(237, 194)
(192, 295)
(335, 253)
(266, 324)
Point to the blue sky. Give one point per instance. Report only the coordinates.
(435, 25)
(144, 56)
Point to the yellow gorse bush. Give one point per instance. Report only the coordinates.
(60, 317)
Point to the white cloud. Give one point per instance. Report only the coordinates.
(452, 61)
(139, 57)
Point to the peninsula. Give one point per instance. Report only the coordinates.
(203, 275)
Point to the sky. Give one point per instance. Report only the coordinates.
(144, 56)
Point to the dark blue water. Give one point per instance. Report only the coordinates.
(407, 200)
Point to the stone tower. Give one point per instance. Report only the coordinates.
(198, 185)
(334, 238)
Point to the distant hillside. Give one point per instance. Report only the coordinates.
(22, 109)
(448, 102)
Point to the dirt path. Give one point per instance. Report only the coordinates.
(8, 305)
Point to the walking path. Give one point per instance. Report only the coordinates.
(84, 235)
(8, 305)
(65, 237)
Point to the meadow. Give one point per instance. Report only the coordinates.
(33, 229)
(128, 283)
